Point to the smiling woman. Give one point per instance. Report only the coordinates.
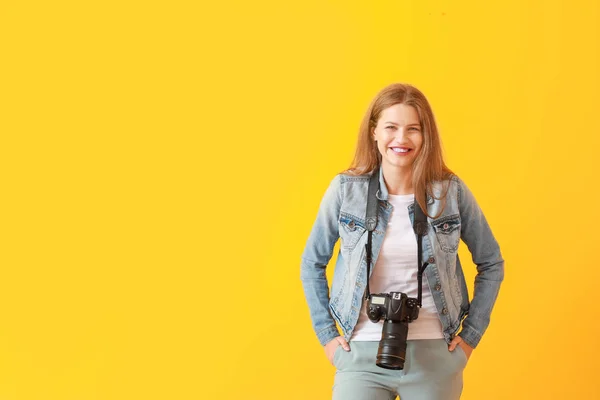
(399, 138)
(418, 350)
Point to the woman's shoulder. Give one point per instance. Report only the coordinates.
(449, 184)
(354, 175)
(449, 179)
(347, 181)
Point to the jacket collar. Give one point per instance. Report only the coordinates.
(382, 192)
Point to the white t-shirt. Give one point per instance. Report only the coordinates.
(396, 271)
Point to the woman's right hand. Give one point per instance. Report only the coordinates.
(333, 344)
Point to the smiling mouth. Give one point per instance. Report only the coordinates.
(401, 150)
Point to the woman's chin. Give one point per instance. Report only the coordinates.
(399, 164)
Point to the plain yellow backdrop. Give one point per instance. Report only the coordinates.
(162, 165)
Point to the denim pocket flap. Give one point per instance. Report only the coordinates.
(351, 223)
(351, 229)
(446, 225)
(447, 231)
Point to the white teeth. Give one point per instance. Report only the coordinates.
(399, 150)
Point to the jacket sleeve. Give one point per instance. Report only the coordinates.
(485, 253)
(317, 253)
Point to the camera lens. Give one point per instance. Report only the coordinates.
(392, 346)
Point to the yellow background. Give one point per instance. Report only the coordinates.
(162, 165)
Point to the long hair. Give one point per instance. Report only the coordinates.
(429, 166)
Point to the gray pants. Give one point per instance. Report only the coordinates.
(431, 372)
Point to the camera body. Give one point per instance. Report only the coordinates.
(398, 310)
(393, 306)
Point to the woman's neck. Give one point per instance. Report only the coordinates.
(398, 181)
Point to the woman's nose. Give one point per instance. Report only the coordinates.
(400, 132)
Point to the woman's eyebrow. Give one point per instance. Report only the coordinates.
(391, 122)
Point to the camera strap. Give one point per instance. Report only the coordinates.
(420, 228)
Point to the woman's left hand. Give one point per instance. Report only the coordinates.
(457, 341)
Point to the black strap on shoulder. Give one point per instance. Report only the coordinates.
(420, 228)
(371, 222)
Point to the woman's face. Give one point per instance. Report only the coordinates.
(399, 136)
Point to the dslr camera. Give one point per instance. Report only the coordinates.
(398, 310)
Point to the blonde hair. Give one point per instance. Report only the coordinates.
(429, 166)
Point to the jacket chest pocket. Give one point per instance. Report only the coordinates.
(447, 231)
(351, 229)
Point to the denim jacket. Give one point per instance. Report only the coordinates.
(342, 215)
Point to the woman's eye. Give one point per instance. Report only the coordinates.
(389, 127)
(416, 129)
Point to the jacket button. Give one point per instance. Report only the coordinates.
(438, 286)
(431, 260)
(445, 311)
(351, 224)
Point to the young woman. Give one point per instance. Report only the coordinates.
(399, 143)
